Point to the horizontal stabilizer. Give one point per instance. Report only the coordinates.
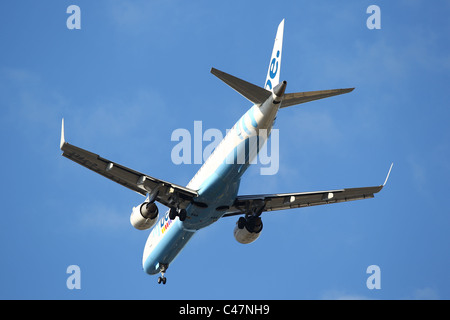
(291, 99)
(252, 92)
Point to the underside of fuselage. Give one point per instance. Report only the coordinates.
(216, 191)
(216, 195)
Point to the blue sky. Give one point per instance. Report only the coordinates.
(138, 70)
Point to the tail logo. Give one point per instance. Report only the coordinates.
(273, 70)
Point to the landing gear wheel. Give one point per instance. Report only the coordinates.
(162, 279)
(172, 214)
(163, 270)
(241, 222)
(182, 214)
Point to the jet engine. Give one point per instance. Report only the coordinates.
(248, 229)
(144, 216)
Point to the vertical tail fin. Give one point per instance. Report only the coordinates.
(273, 74)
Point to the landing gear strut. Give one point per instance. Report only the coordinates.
(163, 271)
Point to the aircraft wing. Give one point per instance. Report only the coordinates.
(169, 194)
(256, 204)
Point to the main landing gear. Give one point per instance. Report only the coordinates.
(180, 213)
(163, 269)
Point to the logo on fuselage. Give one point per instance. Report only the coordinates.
(164, 223)
(161, 227)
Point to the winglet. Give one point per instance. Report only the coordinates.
(61, 143)
(387, 177)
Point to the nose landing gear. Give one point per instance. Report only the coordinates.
(162, 280)
(163, 270)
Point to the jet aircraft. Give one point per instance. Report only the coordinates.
(212, 194)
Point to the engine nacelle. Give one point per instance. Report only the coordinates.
(144, 216)
(248, 230)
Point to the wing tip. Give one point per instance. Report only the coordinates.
(387, 177)
(63, 140)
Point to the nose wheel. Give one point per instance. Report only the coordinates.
(163, 269)
(162, 280)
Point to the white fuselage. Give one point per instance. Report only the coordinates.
(217, 183)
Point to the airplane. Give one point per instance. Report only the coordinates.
(212, 194)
